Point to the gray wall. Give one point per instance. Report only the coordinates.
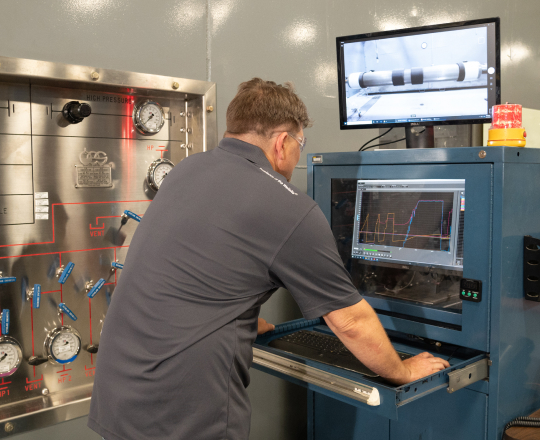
(229, 41)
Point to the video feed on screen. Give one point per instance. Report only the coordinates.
(435, 76)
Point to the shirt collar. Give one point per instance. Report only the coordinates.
(246, 150)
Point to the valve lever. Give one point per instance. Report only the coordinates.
(96, 288)
(36, 360)
(62, 308)
(92, 348)
(127, 215)
(116, 265)
(5, 318)
(35, 295)
(64, 273)
(6, 280)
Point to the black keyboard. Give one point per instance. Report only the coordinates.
(323, 348)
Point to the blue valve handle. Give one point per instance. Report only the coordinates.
(117, 265)
(65, 309)
(6, 280)
(5, 321)
(133, 215)
(66, 273)
(36, 296)
(97, 287)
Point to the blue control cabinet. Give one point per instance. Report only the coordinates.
(494, 340)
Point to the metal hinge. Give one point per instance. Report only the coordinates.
(468, 375)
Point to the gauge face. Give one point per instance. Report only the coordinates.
(10, 356)
(157, 172)
(148, 117)
(63, 344)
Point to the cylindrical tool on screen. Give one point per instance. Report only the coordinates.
(466, 71)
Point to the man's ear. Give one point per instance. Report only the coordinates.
(279, 146)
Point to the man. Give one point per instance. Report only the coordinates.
(225, 230)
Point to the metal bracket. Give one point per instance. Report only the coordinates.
(332, 382)
(468, 375)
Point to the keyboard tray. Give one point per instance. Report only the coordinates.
(323, 348)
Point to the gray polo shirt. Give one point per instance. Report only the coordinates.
(222, 234)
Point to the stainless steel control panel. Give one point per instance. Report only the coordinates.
(83, 151)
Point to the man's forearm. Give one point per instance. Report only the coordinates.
(359, 328)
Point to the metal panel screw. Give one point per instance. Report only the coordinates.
(482, 154)
(182, 114)
(175, 85)
(95, 76)
(189, 114)
(210, 108)
(182, 129)
(189, 130)
(190, 146)
(183, 146)
(45, 391)
(8, 427)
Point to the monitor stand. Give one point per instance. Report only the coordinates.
(419, 137)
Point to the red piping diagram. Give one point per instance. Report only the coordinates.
(59, 253)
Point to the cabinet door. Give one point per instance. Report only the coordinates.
(443, 416)
(331, 419)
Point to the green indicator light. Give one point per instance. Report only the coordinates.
(468, 293)
(475, 295)
(371, 250)
(463, 293)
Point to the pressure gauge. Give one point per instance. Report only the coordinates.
(157, 171)
(10, 356)
(148, 117)
(63, 344)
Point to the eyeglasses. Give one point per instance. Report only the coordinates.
(301, 141)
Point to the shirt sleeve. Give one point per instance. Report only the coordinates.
(309, 266)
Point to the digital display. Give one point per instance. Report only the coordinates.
(423, 76)
(416, 222)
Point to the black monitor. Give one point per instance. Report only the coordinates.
(431, 75)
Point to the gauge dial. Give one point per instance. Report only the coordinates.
(157, 171)
(63, 344)
(148, 117)
(10, 356)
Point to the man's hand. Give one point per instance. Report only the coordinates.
(264, 327)
(424, 364)
(360, 330)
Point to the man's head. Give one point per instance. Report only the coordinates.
(270, 116)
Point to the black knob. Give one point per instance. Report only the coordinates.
(75, 112)
(92, 348)
(34, 360)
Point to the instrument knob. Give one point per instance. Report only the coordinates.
(75, 112)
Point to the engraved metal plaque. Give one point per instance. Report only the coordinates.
(93, 177)
(16, 210)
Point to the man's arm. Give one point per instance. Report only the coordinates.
(359, 328)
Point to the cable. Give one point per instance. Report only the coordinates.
(370, 141)
(528, 422)
(386, 143)
(380, 145)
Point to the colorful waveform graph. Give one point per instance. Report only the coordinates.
(407, 221)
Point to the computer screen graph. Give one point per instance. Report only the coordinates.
(410, 221)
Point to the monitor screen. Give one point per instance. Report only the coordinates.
(413, 222)
(444, 74)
